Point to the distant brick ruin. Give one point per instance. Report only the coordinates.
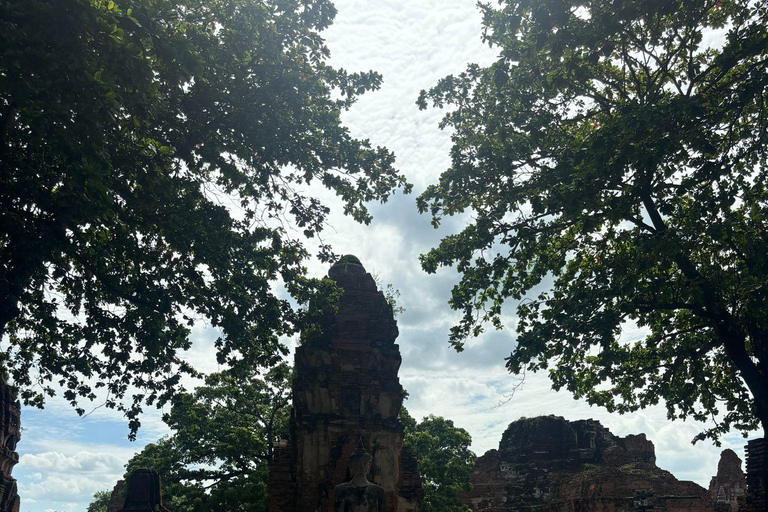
(728, 488)
(141, 494)
(346, 389)
(549, 464)
(10, 434)
(117, 498)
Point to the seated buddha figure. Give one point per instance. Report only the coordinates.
(359, 495)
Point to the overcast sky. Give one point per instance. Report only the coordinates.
(65, 459)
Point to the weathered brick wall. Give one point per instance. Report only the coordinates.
(757, 476)
(10, 434)
(282, 478)
(143, 492)
(346, 389)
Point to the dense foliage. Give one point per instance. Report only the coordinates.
(443, 458)
(100, 502)
(218, 455)
(612, 167)
(153, 157)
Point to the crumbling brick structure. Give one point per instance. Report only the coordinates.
(549, 464)
(757, 476)
(10, 434)
(141, 494)
(728, 487)
(117, 498)
(346, 389)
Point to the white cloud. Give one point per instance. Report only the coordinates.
(66, 488)
(65, 474)
(83, 462)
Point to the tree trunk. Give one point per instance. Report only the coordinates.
(756, 382)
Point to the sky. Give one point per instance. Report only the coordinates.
(65, 459)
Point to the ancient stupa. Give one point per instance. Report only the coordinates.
(346, 389)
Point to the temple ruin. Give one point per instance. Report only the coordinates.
(10, 434)
(729, 487)
(345, 450)
(549, 464)
(346, 391)
(143, 492)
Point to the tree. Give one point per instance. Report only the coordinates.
(614, 156)
(222, 443)
(100, 502)
(155, 159)
(443, 458)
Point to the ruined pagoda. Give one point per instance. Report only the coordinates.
(346, 390)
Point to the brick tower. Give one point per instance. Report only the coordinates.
(346, 389)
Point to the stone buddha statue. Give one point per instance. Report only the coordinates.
(359, 495)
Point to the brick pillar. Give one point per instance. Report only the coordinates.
(143, 494)
(757, 476)
(282, 478)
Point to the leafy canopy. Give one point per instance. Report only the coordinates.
(614, 156)
(155, 158)
(218, 455)
(100, 502)
(443, 459)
